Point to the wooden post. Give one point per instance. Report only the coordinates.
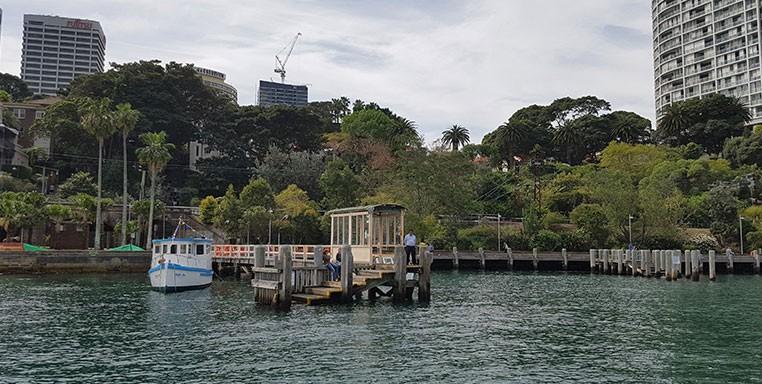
(482, 263)
(400, 274)
(510, 258)
(657, 258)
(647, 261)
(695, 274)
(347, 267)
(317, 256)
(424, 279)
(455, 261)
(605, 258)
(756, 261)
(731, 264)
(284, 297)
(677, 255)
(593, 253)
(667, 265)
(619, 262)
(535, 261)
(259, 256)
(712, 266)
(688, 264)
(565, 258)
(633, 263)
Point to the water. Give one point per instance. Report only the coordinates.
(480, 327)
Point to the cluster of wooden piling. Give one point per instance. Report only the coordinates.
(670, 264)
(278, 281)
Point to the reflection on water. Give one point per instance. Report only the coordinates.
(494, 327)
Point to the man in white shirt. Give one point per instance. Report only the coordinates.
(410, 245)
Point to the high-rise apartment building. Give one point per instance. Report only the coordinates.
(57, 49)
(707, 46)
(272, 93)
(216, 80)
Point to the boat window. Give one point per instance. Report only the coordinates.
(164, 248)
(157, 249)
(173, 249)
(200, 249)
(183, 248)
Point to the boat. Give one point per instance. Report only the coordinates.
(181, 264)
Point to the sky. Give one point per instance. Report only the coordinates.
(438, 63)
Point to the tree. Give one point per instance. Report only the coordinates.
(16, 88)
(281, 168)
(341, 187)
(80, 182)
(85, 209)
(744, 150)
(636, 161)
(722, 206)
(97, 120)
(511, 135)
(58, 213)
(592, 220)
(155, 155)
(20, 210)
(125, 120)
(301, 214)
(257, 193)
(208, 209)
(456, 137)
(229, 213)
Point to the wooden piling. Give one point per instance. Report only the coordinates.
(455, 261)
(605, 257)
(688, 264)
(482, 261)
(677, 256)
(565, 259)
(535, 261)
(656, 258)
(317, 256)
(712, 266)
(593, 253)
(695, 274)
(510, 258)
(424, 278)
(400, 274)
(619, 262)
(259, 256)
(756, 261)
(347, 268)
(668, 265)
(633, 264)
(731, 262)
(647, 261)
(284, 256)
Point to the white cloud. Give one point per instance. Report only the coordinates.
(438, 63)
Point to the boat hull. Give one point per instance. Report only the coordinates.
(172, 277)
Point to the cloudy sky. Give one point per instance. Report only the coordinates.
(438, 63)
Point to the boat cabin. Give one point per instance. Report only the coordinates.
(182, 247)
(373, 231)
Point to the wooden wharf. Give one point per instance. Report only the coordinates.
(280, 276)
(656, 263)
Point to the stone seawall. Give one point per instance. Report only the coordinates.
(74, 261)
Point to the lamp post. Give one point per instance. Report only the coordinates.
(740, 231)
(498, 232)
(270, 228)
(629, 222)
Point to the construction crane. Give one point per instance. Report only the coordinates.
(281, 64)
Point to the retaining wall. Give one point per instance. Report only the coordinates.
(74, 261)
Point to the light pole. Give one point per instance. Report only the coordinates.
(629, 221)
(740, 231)
(270, 228)
(498, 232)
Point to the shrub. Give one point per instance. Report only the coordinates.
(663, 240)
(517, 241)
(546, 240)
(591, 219)
(576, 241)
(703, 243)
(481, 236)
(552, 218)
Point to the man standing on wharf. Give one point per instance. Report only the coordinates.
(410, 243)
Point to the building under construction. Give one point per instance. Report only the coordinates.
(272, 93)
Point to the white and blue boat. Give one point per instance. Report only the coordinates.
(181, 264)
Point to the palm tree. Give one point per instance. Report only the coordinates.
(97, 120)
(567, 136)
(125, 120)
(674, 121)
(457, 136)
(511, 134)
(155, 155)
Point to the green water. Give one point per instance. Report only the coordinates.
(480, 327)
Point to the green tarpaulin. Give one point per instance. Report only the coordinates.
(127, 248)
(34, 248)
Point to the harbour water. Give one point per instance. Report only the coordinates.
(480, 327)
